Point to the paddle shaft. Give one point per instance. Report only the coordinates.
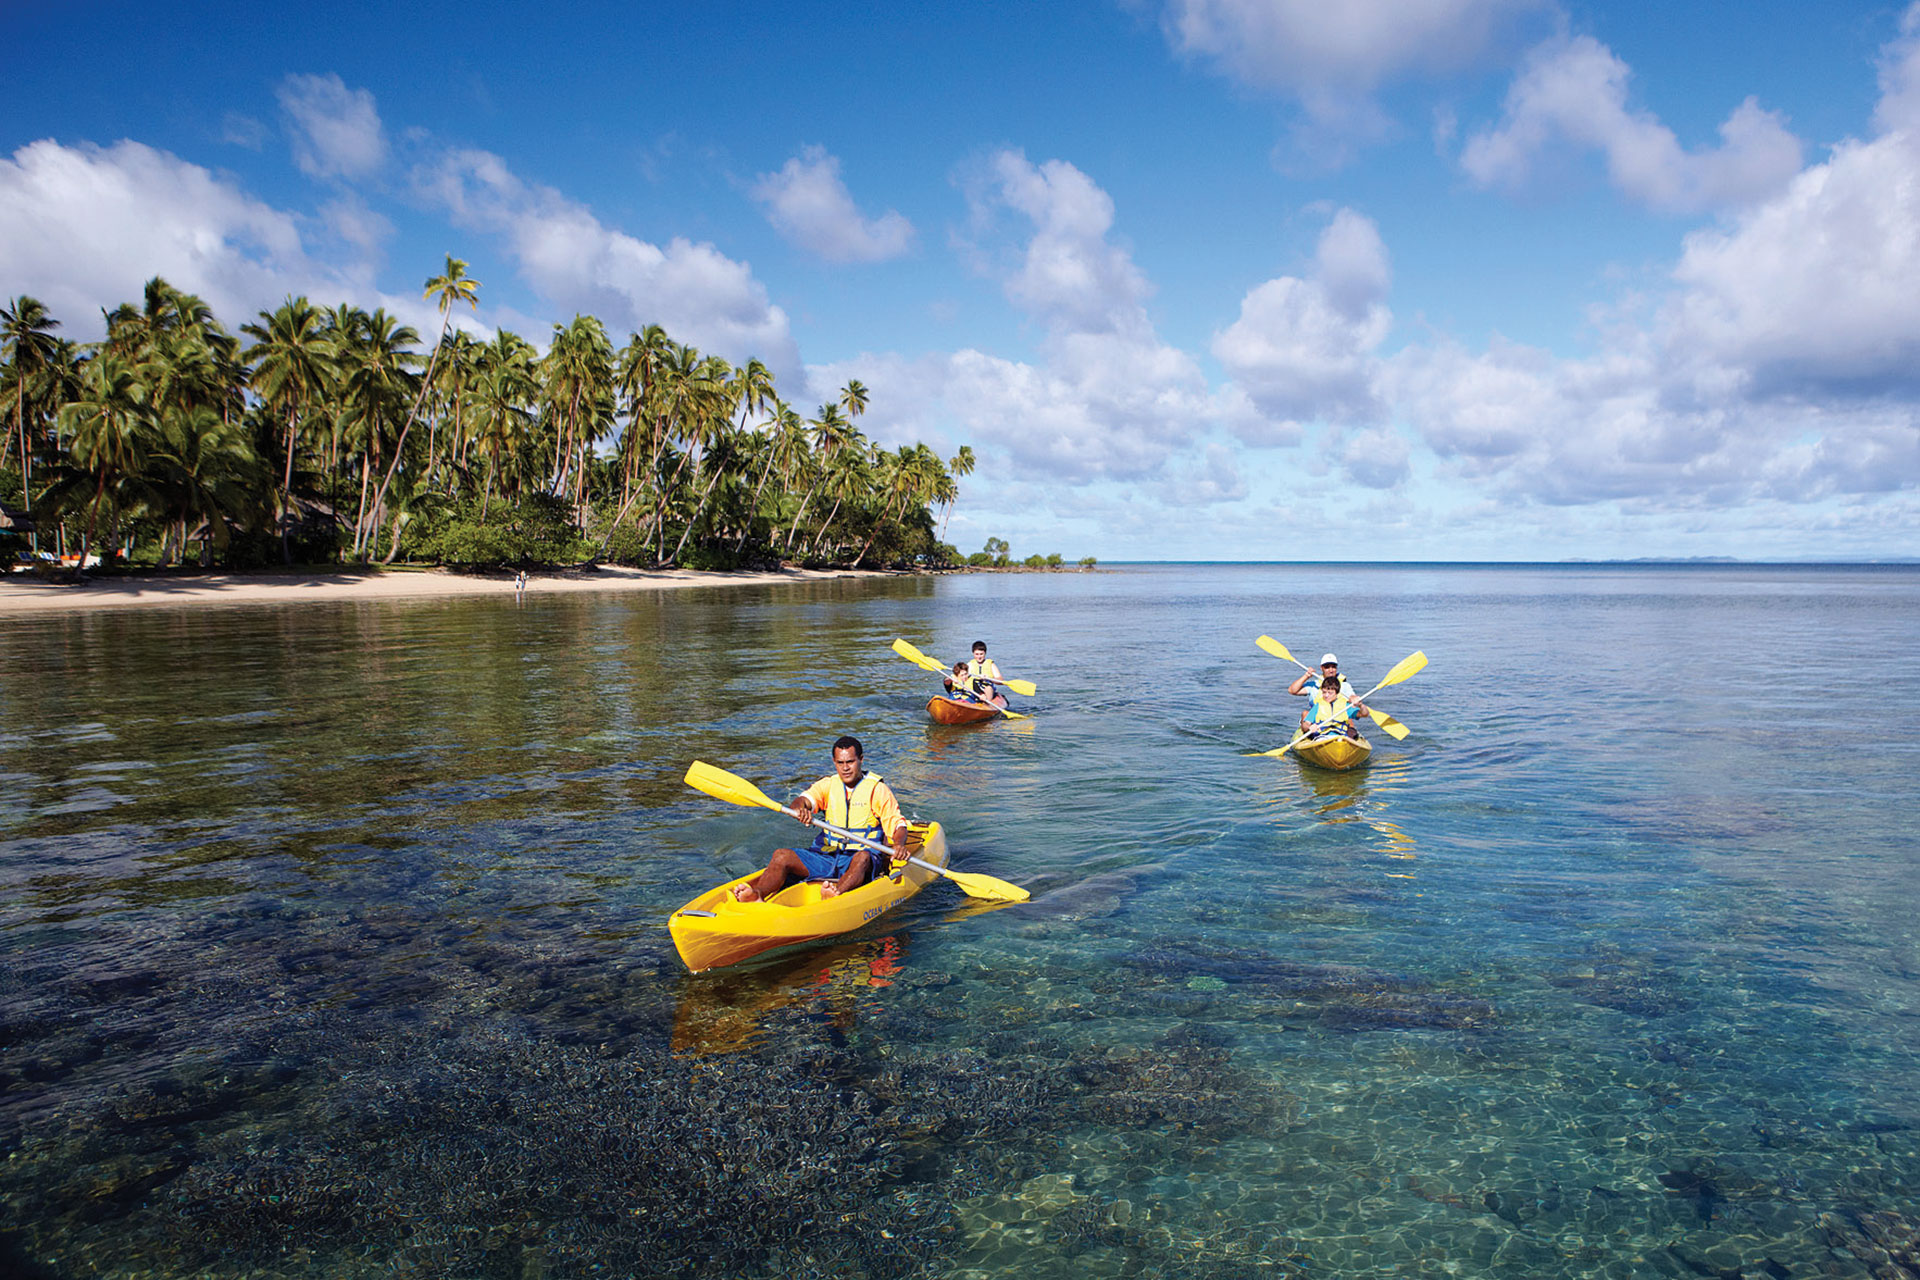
(873, 845)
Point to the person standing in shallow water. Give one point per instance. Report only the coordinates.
(850, 798)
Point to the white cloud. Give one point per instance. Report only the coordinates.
(577, 264)
(1106, 400)
(243, 131)
(1574, 91)
(83, 228)
(1071, 277)
(1110, 399)
(1330, 58)
(809, 204)
(1305, 348)
(1211, 478)
(336, 130)
(1377, 458)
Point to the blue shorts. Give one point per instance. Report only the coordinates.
(831, 865)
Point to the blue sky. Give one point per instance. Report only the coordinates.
(1196, 279)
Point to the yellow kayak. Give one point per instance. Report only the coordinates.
(1335, 751)
(716, 929)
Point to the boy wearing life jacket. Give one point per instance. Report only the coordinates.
(984, 673)
(960, 685)
(849, 798)
(1332, 711)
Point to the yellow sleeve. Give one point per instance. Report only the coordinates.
(819, 792)
(886, 810)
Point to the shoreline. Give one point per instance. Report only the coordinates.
(20, 596)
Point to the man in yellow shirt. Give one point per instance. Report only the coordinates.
(850, 798)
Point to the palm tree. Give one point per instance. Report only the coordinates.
(853, 398)
(377, 383)
(450, 287)
(844, 449)
(293, 360)
(787, 439)
(507, 387)
(110, 422)
(831, 434)
(910, 473)
(961, 465)
(33, 356)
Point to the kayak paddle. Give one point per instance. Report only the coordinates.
(1279, 751)
(1404, 669)
(918, 658)
(1393, 727)
(734, 789)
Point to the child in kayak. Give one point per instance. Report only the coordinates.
(960, 686)
(984, 674)
(850, 798)
(1332, 711)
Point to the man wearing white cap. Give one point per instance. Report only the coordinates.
(1329, 666)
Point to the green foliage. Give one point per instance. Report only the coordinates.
(1053, 560)
(333, 433)
(980, 559)
(537, 530)
(1035, 561)
(1088, 562)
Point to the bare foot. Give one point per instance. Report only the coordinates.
(746, 892)
(829, 890)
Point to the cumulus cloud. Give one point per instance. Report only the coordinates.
(1305, 348)
(336, 131)
(1110, 400)
(1106, 401)
(578, 264)
(1782, 364)
(1574, 92)
(1377, 458)
(1071, 276)
(1331, 58)
(807, 202)
(85, 227)
(1211, 478)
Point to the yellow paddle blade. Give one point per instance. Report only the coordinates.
(1280, 751)
(1012, 715)
(1387, 722)
(1403, 669)
(722, 785)
(912, 654)
(1279, 650)
(979, 886)
(1026, 688)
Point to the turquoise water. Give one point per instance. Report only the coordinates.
(332, 937)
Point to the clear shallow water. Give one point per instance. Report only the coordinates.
(331, 939)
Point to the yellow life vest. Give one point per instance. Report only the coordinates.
(983, 668)
(1321, 711)
(851, 808)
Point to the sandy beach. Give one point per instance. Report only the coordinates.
(22, 595)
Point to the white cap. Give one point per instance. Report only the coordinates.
(1325, 658)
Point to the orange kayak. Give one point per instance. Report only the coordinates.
(950, 711)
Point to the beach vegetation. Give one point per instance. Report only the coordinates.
(330, 434)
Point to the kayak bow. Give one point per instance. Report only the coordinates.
(1335, 751)
(716, 929)
(953, 711)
